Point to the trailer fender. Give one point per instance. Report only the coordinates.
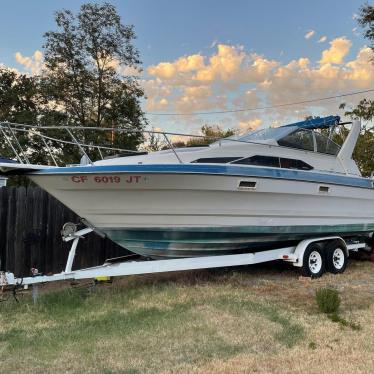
(298, 255)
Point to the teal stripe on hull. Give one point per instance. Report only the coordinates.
(203, 241)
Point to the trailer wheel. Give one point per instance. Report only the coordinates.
(336, 258)
(313, 262)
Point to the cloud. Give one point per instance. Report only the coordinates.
(230, 77)
(34, 64)
(223, 65)
(309, 34)
(339, 48)
(322, 39)
(247, 99)
(14, 70)
(355, 32)
(214, 43)
(169, 70)
(249, 125)
(199, 98)
(154, 104)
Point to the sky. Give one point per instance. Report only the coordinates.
(202, 56)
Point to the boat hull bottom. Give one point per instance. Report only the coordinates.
(159, 243)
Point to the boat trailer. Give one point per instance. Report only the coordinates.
(312, 255)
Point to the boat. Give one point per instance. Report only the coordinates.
(259, 191)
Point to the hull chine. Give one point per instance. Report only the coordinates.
(200, 242)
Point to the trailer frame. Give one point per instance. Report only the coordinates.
(292, 254)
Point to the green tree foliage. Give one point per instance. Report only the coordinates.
(18, 97)
(363, 153)
(364, 110)
(366, 21)
(85, 81)
(20, 103)
(210, 134)
(155, 141)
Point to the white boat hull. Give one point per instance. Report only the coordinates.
(187, 215)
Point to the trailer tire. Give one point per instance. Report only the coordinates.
(336, 257)
(313, 261)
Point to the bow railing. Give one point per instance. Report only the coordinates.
(12, 132)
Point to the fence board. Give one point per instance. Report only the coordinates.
(30, 225)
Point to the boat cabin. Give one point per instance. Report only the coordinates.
(297, 146)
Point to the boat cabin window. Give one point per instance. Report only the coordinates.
(325, 144)
(215, 160)
(290, 163)
(274, 162)
(300, 139)
(269, 161)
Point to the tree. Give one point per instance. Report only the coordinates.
(365, 143)
(19, 102)
(366, 21)
(365, 108)
(155, 141)
(211, 133)
(85, 79)
(18, 97)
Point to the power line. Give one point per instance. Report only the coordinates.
(260, 108)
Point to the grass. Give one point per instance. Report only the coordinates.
(259, 319)
(328, 300)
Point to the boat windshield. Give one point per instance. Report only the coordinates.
(293, 137)
(266, 134)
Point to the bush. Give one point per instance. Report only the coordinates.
(328, 300)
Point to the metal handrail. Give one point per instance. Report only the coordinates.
(75, 142)
(132, 131)
(82, 144)
(28, 128)
(79, 146)
(115, 129)
(18, 144)
(16, 127)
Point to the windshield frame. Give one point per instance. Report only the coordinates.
(280, 133)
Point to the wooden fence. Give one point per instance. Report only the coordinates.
(30, 225)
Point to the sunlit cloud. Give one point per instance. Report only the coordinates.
(249, 125)
(34, 64)
(231, 77)
(322, 39)
(309, 34)
(214, 43)
(355, 31)
(339, 48)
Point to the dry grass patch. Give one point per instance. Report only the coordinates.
(256, 319)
